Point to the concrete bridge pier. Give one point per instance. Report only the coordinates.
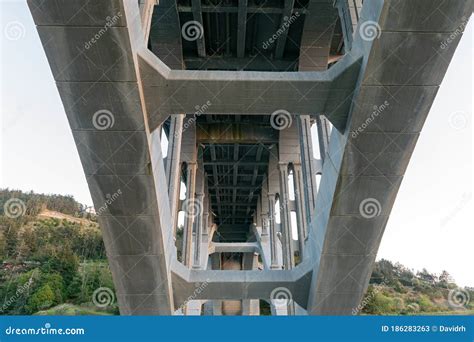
(239, 118)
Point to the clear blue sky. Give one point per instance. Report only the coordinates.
(431, 222)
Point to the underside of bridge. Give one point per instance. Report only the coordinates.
(289, 126)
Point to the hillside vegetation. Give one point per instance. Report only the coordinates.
(53, 262)
(51, 254)
(397, 290)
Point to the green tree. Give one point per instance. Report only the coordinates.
(42, 299)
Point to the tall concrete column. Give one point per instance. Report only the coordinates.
(250, 307)
(205, 221)
(172, 167)
(264, 209)
(264, 220)
(288, 258)
(307, 164)
(300, 208)
(199, 211)
(205, 209)
(257, 216)
(322, 124)
(271, 225)
(120, 155)
(216, 265)
(198, 237)
(189, 212)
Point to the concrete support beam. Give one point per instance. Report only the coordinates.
(173, 165)
(273, 188)
(323, 135)
(234, 247)
(285, 17)
(401, 71)
(241, 28)
(317, 36)
(308, 165)
(240, 284)
(234, 9)
(229, 92)
(189, 212)
(165, 35)
(198, 217)
(301, 218)
(287, 241)
(197, 16)
(146, 13)
(102, 96)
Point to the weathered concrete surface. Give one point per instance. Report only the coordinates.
(99, 59)
(401, 72)
(230, 92)
(121, 160)
(317, 35)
